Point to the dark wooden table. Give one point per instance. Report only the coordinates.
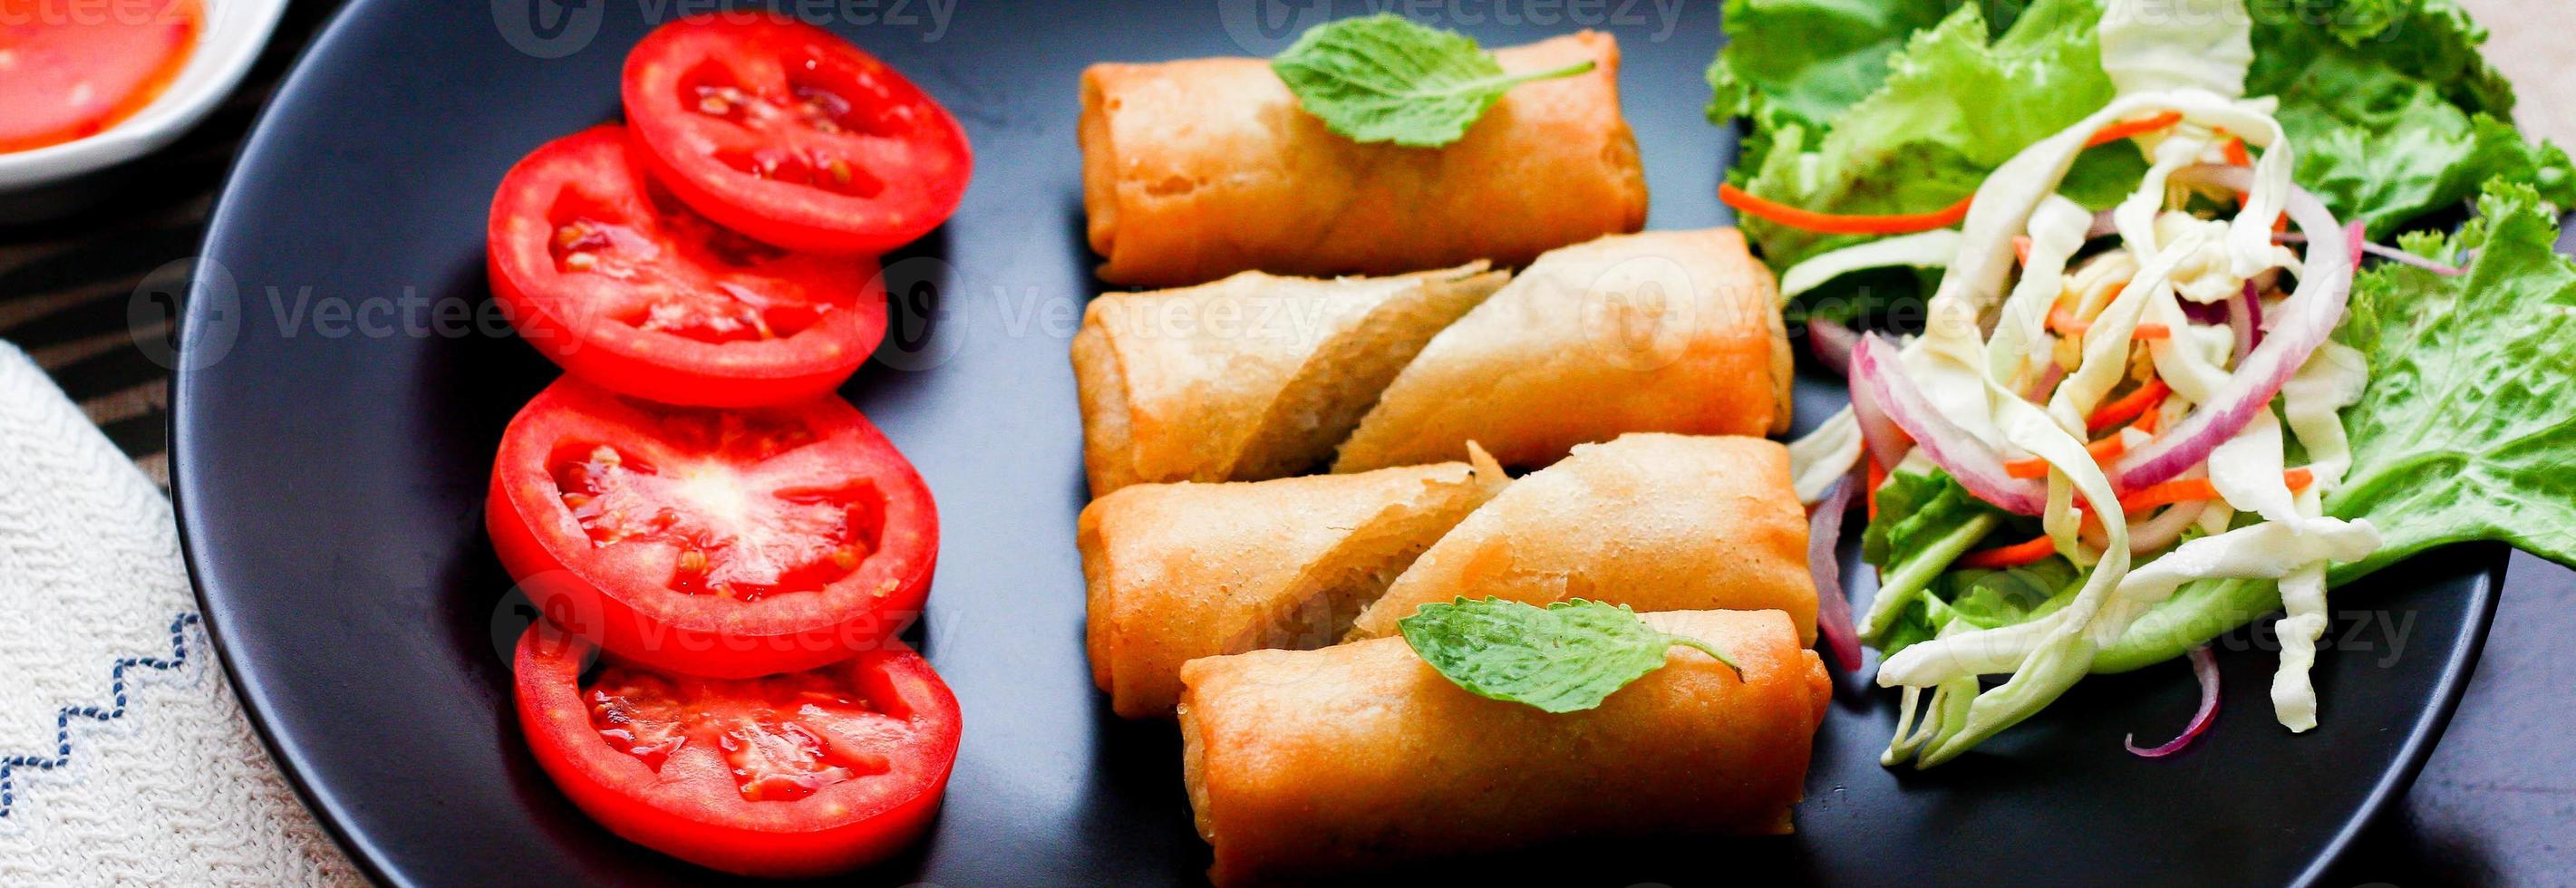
(90, 296)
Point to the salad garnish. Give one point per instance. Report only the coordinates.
(1565, 657)
(2155, 395)
(1383, 78)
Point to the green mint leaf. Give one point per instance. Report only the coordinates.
(1382, 78)
(1566, 657)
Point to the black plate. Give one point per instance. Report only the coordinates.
(331, 453)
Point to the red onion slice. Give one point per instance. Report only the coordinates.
(2200, 313)
(1976, 464)
(2048, 380)
(1884, 440)
(2391, 254)
(1833, 609)
(2105, 224)
(2204, 666)
(2307, 318)
(1832, 343)
(2150, 536)
(2245, 317)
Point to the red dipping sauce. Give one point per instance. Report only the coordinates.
(70, 69)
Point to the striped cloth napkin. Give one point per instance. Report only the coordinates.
(124, 757)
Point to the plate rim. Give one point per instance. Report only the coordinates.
(247, 689)
(222, 230)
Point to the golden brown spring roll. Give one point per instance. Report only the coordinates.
(1194, 170)
(1653, 521)
(1252, 377)
(1303, 764)
(1667, 331)
(1181, 571)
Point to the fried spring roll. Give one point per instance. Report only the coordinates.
(1181, 571)
(1193, 170)
(1667, 331)
(1252, 377)
(1302, 764)
(1653, 521)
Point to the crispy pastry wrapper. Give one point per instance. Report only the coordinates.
(1194, 170)
(1307, 764)
(1180, 571)
(1252, 377)
(1666, 331)
(1653, 521)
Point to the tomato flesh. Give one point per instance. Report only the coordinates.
(799, 774)
(786, 133)
(770, 731)
(735, 539)
(726, 543)
(71, 70)
(618, 281)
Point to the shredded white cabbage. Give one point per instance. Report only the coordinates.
(1824, 456)
(2247, 468)
(2331, 380)
(2106, 344)
(2190, 57)
(2057, 230)
(2303, 601)
(1928, 249)
(2177, 44)
(2270, 550)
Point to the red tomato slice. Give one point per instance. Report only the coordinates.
(609, 275)
(786, 133)
(801, 774)
(725, 543)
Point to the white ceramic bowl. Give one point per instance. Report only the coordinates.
(235, 30)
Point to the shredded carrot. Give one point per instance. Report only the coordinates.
(2133, 128)
(2185, 490)
(2014, 555)
(2236, 155)
(2152, 330)
(2103, 450)
(2065, 322)
(1877, 476)
(2146, 398)
(1904, 223)
(2150, 420)
(2021, 248)
(1829, 223)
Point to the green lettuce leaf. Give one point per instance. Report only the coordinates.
(1914, 510)
(1989, 599)
(1925, 522)
(1956, 103)
(2396, 113)
(1840, 59)
(2466, 431)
